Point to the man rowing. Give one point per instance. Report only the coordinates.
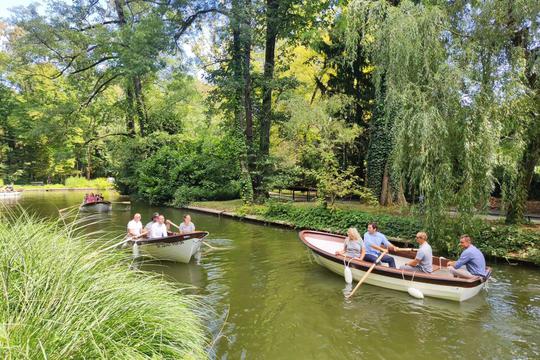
(423, 261)
(135, 227)
(373, 242)
(471, 257)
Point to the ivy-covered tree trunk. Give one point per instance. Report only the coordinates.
(140, 105)
(531, 156)
(241, 69)
(134, 95)
(517, 204)
(378, 158)
(272, 23)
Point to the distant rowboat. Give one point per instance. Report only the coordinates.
(175, 247)
(96, 206)
(439, 284)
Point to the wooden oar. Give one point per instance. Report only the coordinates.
(366, 274)
(404, 249)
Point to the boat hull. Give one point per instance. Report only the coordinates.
(9, 194)
(436, 291)
(443, 286)
(177, 248)
(99, 206)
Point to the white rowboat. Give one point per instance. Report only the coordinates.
(439, 284)
(176, 247)
(9, 194)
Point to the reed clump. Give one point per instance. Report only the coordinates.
(61, 297)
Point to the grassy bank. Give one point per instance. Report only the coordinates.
(493, 239)
(63, 299)
(71, 183)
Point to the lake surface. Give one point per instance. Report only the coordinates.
(272, 302)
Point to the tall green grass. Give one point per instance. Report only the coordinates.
(62, 298)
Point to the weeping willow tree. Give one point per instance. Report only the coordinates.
(444, 135)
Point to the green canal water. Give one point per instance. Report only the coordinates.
(271, 302)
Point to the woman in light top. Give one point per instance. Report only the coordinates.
(353, 246)
(186, 226)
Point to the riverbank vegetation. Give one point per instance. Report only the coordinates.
(64, 298)
(494, 239)
(71, 182)
(432, 104)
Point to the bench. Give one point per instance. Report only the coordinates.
(37, 183)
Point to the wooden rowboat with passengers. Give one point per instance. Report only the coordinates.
(175, 247)
(439, 284)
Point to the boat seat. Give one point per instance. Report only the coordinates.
(435, 267)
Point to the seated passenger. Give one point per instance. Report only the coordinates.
(186, 226)
(353, 245)
(471, 257)
(423, 260)
(373, 240)
(159, 229)
(148, 226)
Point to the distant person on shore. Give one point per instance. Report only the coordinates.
(353, 245)
(423, 261)
(148, 226)
(159, 229)
(471, 257)
(373, 242)
(135, 227)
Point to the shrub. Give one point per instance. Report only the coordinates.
(81, 182)
(185, 194)
(63, 299)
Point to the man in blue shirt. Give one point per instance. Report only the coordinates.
(373, 242)
(471, 257)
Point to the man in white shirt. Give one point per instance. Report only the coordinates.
(159, 229)
(148, 226)
(135, 227)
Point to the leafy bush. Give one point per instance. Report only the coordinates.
(64, 299)
(185, 194)
(190, 170)
(81, 182)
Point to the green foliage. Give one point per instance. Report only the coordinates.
(180, 170)
(71, 300)
(80, 182)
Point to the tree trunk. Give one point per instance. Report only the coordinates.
(531, 156)
(241, 59)
(139, 102)
(133, 87)
(386, 198)
(272, 23)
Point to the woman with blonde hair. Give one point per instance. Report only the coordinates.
(353, 245)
